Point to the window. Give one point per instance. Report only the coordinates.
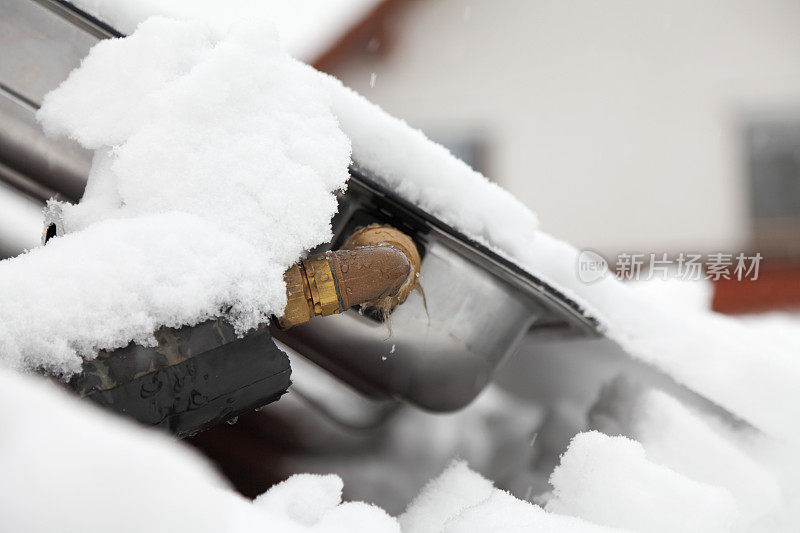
(774, 167)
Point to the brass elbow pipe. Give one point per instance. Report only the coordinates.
(377, 266)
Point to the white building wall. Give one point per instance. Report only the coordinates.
(617, 121)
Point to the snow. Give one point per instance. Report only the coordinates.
(456, 489)
(689, 443)
(308, 28)
(611, 481)
(426, 174)
(304, 498)
(216, 160)
(315, 501)
(214, 170)
(461, 501)
(502, 513)
(70, 466)
(60, 453)
(54, 443)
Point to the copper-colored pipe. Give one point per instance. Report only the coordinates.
(377, 266)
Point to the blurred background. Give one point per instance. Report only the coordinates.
(650, 127)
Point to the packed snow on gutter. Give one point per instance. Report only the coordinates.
(305, 37)
(216, 161)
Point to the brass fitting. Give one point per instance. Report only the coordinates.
(377, 266)
(377, 235)
(310, 291)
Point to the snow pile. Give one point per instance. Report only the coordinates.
(461, 501)
(316, 502)
(108, 472)
(69, 466)
(694, 445)
(603, 483)
(216, 160)
(305, 37)
(456, 489)
(610, 481)
(761, 474)
(422, 171)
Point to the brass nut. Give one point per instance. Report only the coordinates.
(299, 308)
(322, 285)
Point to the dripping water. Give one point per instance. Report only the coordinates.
(421, 291)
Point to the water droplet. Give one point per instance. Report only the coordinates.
(393, 347)
(232, 421)
(383, 358)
